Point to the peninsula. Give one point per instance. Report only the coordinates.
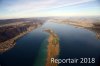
(53, 47)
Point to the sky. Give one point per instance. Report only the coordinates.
(44, 8)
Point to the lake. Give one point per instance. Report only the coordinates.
(31, 49)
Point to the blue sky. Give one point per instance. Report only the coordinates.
(40, 8)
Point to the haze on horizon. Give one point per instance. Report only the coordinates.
(43, 8)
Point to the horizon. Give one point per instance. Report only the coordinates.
(11, 9)
(50, 17)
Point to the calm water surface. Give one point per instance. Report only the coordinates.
(74, 43)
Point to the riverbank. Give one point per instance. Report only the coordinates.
(52, 48)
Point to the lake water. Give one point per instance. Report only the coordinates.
(31, 49)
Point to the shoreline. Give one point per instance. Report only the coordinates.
(4, 46)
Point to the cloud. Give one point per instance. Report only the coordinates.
(27, 8)
(23, 5)
(30, 5)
